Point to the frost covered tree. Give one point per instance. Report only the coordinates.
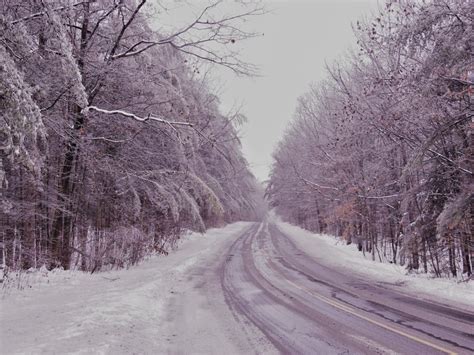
(112, 142)
(381, 152)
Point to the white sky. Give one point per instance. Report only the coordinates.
(299, 36)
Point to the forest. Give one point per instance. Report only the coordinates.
(114, 143)
(112, 140)
(381, 152)
(236, 177)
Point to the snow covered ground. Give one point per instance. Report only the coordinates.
(335, 253)
(174, 304)
(147, 309)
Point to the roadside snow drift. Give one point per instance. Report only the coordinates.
(335, 253)
(118, 312)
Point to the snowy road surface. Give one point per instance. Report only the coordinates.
(247, 288)
(304, 307)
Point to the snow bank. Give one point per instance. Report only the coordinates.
(20, 283)
(337, 254)
(116, 312)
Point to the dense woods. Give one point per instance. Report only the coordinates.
(381, 153)
(112, 142)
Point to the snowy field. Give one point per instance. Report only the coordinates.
(336, 253)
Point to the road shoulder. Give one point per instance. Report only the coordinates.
(345, 258)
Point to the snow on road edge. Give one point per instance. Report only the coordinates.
(334, 252)
(36, 279)
(117, 312)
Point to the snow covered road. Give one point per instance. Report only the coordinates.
(169, 304)
(305, 307)
(246, 288)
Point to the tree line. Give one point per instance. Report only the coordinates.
(381, 152)
(112, 141)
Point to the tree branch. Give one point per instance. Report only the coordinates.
(135, 117)
(41, 13)
(124, 28)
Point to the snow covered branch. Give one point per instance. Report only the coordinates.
(135, 117)
(42, 13)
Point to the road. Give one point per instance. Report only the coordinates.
(245, 288)
(304, 307)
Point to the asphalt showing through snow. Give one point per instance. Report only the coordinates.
(304, 307)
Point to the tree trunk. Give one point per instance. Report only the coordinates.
(62, 225)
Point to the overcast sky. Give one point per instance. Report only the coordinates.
(299, 36)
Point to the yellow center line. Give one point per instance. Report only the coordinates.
(352, 311)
